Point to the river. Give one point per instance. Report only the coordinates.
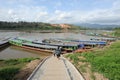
(17, 52)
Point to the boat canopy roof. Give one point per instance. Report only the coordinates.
(73, 42)
(40, 46)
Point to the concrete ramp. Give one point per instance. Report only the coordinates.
(56, 69)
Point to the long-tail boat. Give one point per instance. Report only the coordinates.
(30, 45)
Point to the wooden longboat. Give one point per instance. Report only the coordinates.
(66, 47)
(86, 43)
(32, 46)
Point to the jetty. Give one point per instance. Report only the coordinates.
(53, 68)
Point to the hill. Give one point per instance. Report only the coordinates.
(62, 25)
(97, 26)
(35, 26)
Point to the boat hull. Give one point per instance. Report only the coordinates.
(21, 44)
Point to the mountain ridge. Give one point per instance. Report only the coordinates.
(98, 26)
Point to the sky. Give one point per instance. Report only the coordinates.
(61, 11)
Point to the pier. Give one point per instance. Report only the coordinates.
(55, 69)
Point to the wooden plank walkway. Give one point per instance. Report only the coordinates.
(56, 69)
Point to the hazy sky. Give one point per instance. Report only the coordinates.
(61, 11)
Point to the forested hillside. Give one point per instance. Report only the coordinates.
(35, 26)
(26, 26)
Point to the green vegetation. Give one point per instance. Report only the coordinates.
(27, 26)
(82, 68)
(30, 26)
(74, 58)
(105, 61)
(8, 73)
(117, 32)
(9, 68)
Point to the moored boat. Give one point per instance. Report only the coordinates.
(30, 45)
(90, 43)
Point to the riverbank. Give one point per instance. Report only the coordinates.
(43, 31)
(99, 64)
(18, 69)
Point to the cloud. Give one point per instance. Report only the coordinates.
(60, 17)
(116, 4)
(10, 11)
(63, 15)
(19, 2)
(100, 16)
(24, 11)
(41, 16)
(104, 16)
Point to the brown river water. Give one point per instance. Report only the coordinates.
(17, 52)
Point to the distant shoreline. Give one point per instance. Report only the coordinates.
(43, 31)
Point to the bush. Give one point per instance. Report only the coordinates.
(11, 62)
(26, 59)
(8, 73)
(13, 66)
(17, 61)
